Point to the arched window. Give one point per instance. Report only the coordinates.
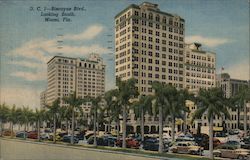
(157, 18)
(150, 16)
(164, 20)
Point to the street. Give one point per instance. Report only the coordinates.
(19, 150)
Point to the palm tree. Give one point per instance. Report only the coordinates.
(161, 101)
(109, 107)
(143, 106)
(240, 99)
(24, 118)
(114, 108)
(54, 110)
(39, 116)
(4, 111)
(95, 102)
(74, 104)
(12, 118)
(126, 91)
(177, 99)
(211, 102)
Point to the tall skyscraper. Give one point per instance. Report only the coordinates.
(149, 46)
(66, 75)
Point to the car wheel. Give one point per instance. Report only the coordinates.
(192, 152)
(241, 157)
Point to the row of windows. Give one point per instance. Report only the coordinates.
(198, 75)
(151, 16)
(198, 69)
(199, 81)
(203, 64)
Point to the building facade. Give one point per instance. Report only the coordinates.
(149, 46)
(230, 88)
(43, 96)
(200, 67)
(66, 75)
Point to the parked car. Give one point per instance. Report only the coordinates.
(44, 136)
(203, 141)
(7, 133)
(130, 143)
(222, 137)
(58, 138)
(229, 151)
(233, 143)
(152, 144)
(67, 138)
(234, 132)
(21, 134)
(188, 148)
(102, 141)
(32, 135)
(245, 143)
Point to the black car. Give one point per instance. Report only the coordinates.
(202, 140)
(67, 138)
(22, 134)
(152, 144)
(245, 143)
(103, 141)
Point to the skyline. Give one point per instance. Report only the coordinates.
(25, 50)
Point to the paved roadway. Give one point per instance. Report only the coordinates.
(23, 150)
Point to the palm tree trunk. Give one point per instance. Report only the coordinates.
(142, 124)
(95, 144)
(185, 123)
(117, 126)
(67, 125)
(12, 129)
(245, 119)
(54, 137)
(238, 117)
(109, 125)
(38, 130)
(124, 122)
(211, 138)
(173, 128)
(160, 130)
(1, 127)
(73, 126)
(25, 129)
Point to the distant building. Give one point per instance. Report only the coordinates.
(200, 67)
(85, 76)
(230, 88)
(43, 96)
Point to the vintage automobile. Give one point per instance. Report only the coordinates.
(187, 147)
(130, 143)
(152, 144)
(229, 151)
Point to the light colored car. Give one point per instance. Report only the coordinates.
(227, 151)
(187, 147)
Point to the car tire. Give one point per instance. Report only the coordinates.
(240, 157)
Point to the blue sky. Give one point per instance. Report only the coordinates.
(27, 42)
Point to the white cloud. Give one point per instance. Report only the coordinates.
(20, 96)
(88, 34)
(28, 64)
(36, 53)
(30, 76)
(210, 42)
(239, 70)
